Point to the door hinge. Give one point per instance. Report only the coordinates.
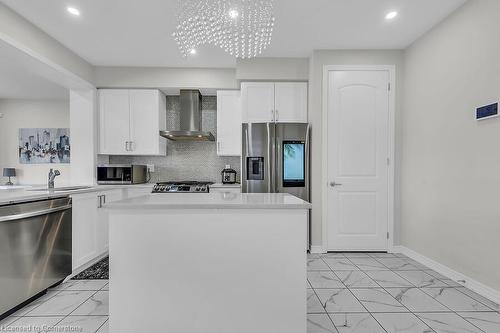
(387, 235)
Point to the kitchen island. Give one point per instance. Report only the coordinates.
(208, 263)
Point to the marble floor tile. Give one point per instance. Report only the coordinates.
(356, 279)
(26, 309)
(104, 328)
(106, 287)
(82, 324)
(356, 323)
(7, 321)
(400, 255)
(435, 274)
(317, 265)
(339, 301)
(324, 280)
(313, 303)
(96, 305)
(397, 264)
(401, 323)
(447, 323)
(455, 300)
(451, 283)
(320, 323)
(33, 324)
(487, 321)
(83, 285)
(63, 303)
(492, 305)
(357, 255)
(368, 264)
(382, 255)
(333, 255)
(388, 279)
(416, 300)
(341, 264)
(313, 256)
(378, 300)
(421, 279)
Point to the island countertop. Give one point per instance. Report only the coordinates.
(211, 201)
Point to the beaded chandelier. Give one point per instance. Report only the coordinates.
(242, 28)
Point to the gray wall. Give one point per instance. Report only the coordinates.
(451, 162)
(187, 160)
(356, 57)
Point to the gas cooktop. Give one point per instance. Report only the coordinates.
(182, 187)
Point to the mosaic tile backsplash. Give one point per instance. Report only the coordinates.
(187, 160)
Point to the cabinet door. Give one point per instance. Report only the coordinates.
(257, 102)
(229, 123)
(103, 221)
(291, 102)
(146, 116)
(114, 121)
(84, 232)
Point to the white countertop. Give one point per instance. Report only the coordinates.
(211, 201)
(220, 185)
(26, 193)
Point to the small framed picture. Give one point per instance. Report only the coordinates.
(487, 112)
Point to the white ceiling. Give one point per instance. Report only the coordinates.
(138, 32)
(21, 77)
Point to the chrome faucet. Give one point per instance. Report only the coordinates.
(52, 176)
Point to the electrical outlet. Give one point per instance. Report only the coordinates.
(151, 168)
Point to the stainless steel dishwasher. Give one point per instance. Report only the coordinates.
(35, 249)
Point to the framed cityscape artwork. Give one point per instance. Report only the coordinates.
(44, 146)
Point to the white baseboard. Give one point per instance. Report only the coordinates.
(317, 249)
(476, 286)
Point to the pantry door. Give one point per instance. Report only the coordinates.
(358, 152)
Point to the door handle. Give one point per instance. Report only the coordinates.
(333, 184)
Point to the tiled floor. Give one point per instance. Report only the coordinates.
(386, 293)
(75, 306)
(347, 293)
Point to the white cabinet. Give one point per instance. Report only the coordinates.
(290, 102)
(284, 102)
(130, 121)
(229, 123)
(90, 231)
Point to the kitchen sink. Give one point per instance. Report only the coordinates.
(62, 189)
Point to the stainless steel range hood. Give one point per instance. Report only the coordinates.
(190, 116)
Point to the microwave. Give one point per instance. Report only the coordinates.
(122, 174)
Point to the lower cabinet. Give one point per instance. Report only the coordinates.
(90, 225)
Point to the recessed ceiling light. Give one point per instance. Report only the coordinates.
(391, 15)
(193, 51)
(233, 13)
(73, 11)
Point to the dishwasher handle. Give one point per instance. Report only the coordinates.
(33, 214)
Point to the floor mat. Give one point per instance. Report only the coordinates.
(99, 271)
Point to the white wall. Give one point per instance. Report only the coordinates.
(358, 57)
(31, 114)
(451, 163)
(273, 69)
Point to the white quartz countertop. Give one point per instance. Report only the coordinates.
(211, 201)
(220, 185)
(39, 192)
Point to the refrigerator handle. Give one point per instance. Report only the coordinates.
(268, 157)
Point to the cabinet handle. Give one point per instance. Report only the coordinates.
(272, 115)
(131, 145)
(104, 199)
(277, 115)
(126, 145)
(99, 205)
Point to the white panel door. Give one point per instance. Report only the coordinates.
(358, 151)
(229, 123)
(257, 102)
(114, 121)
(291, 102)
(144, 130)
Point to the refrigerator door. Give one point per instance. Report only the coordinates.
(258, 164)
(292, 159)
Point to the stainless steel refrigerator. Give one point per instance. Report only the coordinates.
(276, 159)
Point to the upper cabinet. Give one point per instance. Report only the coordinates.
(130, 121)
(284, 102)
(228, 123)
